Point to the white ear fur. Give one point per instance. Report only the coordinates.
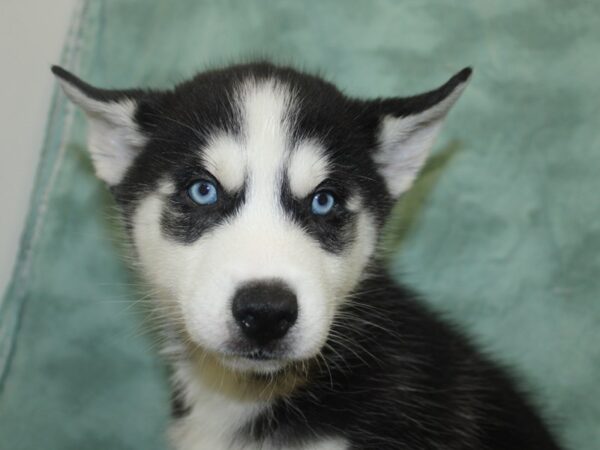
(405, 142)
(114, 139)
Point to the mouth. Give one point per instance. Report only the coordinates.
(259, 355)
(260, 361)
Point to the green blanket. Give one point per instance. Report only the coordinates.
(502, 231)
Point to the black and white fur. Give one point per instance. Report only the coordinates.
(364, 365)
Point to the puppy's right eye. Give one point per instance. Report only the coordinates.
(203, 192)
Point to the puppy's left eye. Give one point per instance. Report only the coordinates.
(322, 203)
(203, 192)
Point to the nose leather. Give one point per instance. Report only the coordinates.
(265, 310)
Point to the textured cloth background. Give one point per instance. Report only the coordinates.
(502, 231)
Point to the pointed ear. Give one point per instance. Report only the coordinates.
(114, 137)
(408, 128)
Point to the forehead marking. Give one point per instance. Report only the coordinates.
(259, 153)
(308, 167)
(265, 149)
(265, 108)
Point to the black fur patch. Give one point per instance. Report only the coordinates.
(179, 408)
(403, 379)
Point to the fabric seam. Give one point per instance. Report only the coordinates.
(71, 59)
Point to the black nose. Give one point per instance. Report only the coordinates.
(265, 310)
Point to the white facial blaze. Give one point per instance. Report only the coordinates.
(260, 242)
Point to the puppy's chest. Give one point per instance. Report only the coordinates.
(214, 423)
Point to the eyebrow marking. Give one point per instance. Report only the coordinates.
(308, 166)
(224, 157)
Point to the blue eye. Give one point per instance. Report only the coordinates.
(322, 203)
(203, 192)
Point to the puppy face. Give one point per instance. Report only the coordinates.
(254, 196)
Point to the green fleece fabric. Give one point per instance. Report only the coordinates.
(502, 231)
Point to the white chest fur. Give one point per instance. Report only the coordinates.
(216, 418)
(196, 433)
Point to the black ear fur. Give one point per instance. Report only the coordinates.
(406, 106)
(102, 95)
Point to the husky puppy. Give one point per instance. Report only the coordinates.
(254, 197)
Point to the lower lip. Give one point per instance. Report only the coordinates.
(258, 356)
